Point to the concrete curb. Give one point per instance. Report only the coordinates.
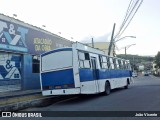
(41, 102)
(24, 104)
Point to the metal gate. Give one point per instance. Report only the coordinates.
(10, 72)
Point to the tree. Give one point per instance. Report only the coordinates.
(157, 59)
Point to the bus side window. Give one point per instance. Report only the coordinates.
(86, 56)
(122, 65)
(126, 66)
(114, 63)
(117, 63)
(100, 61)
(84, 60)
(111, 63)
(104, 62)
(108, 63)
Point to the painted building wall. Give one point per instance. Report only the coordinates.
(102, 46)
(23, 38)
(30, 80)
(19, 42)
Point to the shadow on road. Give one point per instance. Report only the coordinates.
(84, 98)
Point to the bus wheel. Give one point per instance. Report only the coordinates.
(126, 87)
(107, 88)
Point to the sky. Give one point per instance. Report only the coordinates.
(81, 20)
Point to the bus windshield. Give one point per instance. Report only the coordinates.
(56, 60)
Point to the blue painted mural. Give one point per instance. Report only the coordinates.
(12, 37)
(17, 69)
(15, 37)
(10, 66)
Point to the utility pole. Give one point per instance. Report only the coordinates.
(112, 40)
(133, 63)
(125, 52)
(92, 43)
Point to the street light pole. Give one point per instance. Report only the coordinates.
(124, 38)
(127, 48)
(125, 52)
(121, 39)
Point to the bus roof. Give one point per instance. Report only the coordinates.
(57, 50)
(84, 47)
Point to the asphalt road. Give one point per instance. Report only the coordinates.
(143, 95)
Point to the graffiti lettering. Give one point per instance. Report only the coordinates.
(46, 47)
(37, 48)
(13, 37)
(11, 29)
(42, 41)
(42, 44)
(8, 66)
(2, 26)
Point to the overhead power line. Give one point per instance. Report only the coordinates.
(130, 13)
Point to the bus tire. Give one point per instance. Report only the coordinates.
(126, 87)
(107, 88)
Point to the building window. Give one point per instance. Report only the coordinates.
(35, 64)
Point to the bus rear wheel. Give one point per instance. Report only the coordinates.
(107, 88)
(127, 86)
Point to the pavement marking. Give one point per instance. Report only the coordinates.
(154, 77)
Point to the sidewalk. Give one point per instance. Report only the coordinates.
(8, 88)
(17, 100)
(18, 93)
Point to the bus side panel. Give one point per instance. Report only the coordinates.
(117, 78)
(60, 78)
(120, 77)
(87, 81)
(86, 74)
(103, 76)
(76, 68)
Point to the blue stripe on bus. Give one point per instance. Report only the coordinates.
(87, 74)
(56, 78)
(107, 74)
(53, 51)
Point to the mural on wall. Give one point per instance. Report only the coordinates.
(12, 37)
(10, 66)
(15, 37)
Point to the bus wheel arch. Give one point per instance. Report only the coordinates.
(107, 88)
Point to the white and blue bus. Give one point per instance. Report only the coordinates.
(81, 69)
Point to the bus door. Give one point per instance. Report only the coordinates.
(95, 73)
